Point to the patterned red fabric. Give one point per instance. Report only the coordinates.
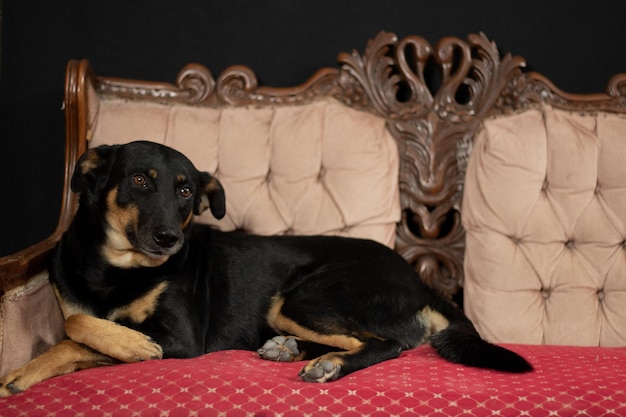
(568, 381)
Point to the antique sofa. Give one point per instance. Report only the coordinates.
(505, 193)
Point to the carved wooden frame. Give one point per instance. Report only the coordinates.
(432, 119)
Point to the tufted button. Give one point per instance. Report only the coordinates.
(569, 244)
(544, 186)
(601, 294)
(516, 240)
(597, 190)
(545, 293)
(320, 174)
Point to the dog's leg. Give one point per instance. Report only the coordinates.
(62, 358)
(338, 364)
(358, 350)
(94, 342)
(112, 339)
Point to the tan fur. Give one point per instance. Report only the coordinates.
(119, 342)
(118, 250)
(187, 221)
(337, 358)
(141, 308)
(88, 337)
(62, 358)
(283, 324)
(90, 162)
(67, 308)
(432, 321)
(211, 186)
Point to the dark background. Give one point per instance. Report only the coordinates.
(578, 45)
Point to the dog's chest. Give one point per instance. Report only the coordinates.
(138, 310)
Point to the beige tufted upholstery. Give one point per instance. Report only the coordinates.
(320, 168)
(545, 213)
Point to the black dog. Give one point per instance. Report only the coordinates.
(137, 280)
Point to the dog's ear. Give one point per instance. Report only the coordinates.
(92, 169)
(210, 195)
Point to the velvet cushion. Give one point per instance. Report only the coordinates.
(545, 213)
(418, 383)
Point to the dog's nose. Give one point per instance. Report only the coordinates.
(165, 237)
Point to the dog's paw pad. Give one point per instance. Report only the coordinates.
(280, 348)
(321, 371)
(10, 387)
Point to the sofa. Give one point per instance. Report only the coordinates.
(506, 194)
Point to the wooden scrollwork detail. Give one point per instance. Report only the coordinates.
(235, 84)
(433, 125)
(538, 89)
(238, 85)
(194, 84)
(617, 86)
(197, 81)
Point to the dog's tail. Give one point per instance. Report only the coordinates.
(455, 338)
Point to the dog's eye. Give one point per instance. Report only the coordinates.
(185, 192)
(140, 180)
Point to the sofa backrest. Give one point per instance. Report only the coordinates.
(545, 216)
(314, 168)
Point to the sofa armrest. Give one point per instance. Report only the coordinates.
(80, 83)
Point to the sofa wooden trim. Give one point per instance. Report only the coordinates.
(433, 98)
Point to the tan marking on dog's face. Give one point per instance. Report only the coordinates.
(283, 324)
(140, 309)
(181, 178)
(153, 174)
(117, 249)
(187, 221)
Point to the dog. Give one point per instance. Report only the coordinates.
(136, 279)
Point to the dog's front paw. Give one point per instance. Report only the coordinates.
(13, 383)
(136, 347)
(321, 370)
(280, 348)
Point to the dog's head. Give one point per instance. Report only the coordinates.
(146, 194)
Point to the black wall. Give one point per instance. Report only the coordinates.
(578, 45)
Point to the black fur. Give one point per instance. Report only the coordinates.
(220, 286)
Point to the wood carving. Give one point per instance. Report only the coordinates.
(433, 126)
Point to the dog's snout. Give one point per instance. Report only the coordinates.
(165, 237)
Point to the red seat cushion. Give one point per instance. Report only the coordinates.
(567, 381)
